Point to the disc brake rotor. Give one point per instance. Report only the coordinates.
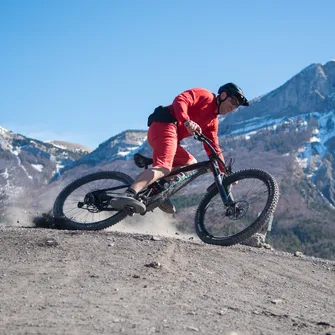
(237, 210)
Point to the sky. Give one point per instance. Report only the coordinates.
(85, 70)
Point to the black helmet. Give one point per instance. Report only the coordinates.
(234, 91)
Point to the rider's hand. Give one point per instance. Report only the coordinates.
(192, 127)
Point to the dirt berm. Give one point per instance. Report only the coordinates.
(109, 282)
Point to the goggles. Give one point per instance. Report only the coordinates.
(234, 101)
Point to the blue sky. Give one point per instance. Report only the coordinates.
(83, 71)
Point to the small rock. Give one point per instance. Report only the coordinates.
(257, 240)
(155, 238)
(48, 242)
(192, 328)
(94, 276)
(298, 254)
(276, 301)
(51, 242)
(154, 265)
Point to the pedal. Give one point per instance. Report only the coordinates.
(130, 211)
(123, 202)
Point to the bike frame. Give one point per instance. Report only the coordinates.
(201, 168)
(204, 167)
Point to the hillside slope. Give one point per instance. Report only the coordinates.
(62, 282)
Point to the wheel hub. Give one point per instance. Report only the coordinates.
(94, 203)
(237, 210)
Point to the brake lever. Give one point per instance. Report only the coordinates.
(200, 137)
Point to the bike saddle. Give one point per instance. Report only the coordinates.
(142, 161)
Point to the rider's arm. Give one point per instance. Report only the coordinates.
(197, 98)
(181, 104)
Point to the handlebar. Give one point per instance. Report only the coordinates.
(202, 138)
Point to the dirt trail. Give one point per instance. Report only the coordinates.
(108, 282)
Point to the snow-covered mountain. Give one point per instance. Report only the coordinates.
(306, 99)
(310, 91)
(114, 153)
(289, 132)
(27, 163)
(123, 145)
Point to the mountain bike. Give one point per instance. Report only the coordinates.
(235, 206)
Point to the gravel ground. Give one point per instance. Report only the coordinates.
(111, 282)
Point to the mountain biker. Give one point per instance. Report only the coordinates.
(195, 110)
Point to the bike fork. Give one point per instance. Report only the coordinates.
(225, 192)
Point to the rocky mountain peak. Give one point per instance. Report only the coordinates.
(70, 146)
(119, 146)
(3, 131)
(311, 90)
(27, 163)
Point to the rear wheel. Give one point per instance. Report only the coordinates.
(78, 207)
(255, 199)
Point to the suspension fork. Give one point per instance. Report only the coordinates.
(225, 194)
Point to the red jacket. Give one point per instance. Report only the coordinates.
(198, 105)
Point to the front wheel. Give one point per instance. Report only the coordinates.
(84, 204)
(255, 198)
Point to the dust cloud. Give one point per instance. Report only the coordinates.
(35, 211)
(155, 223)
(152, 223)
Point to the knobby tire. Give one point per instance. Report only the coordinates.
(64, 222)
(202, 224)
